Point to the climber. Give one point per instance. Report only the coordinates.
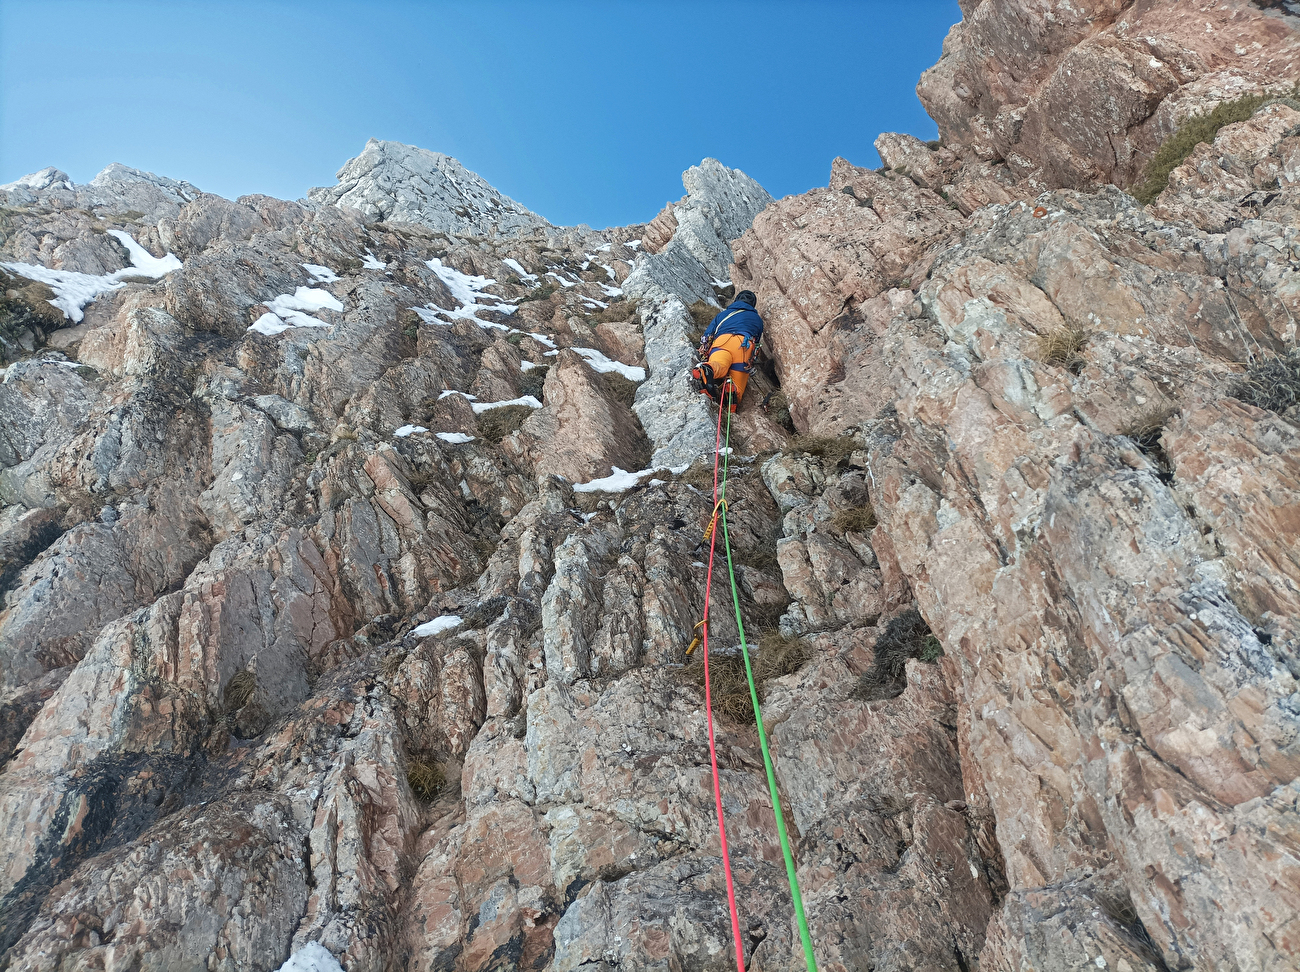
(728, 346)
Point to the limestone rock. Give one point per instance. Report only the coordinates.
(719, 205)
(405, 184)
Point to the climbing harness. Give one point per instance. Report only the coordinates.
(722, 455)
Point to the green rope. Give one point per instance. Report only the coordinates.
(762, 734)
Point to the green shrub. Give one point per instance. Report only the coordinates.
(541, 292)
(497, 423)
(1191, 133)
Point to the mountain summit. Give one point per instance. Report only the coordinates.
(406, 184)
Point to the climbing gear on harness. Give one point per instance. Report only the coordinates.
(729, 362)
(722, 452)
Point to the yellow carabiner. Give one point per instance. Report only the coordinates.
(695, 643)
(713, 521)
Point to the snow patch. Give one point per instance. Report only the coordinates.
(320, 274)
(466, 288)
(528, 365)
(604, 365)
(481, 407)
(562, 281)
(73, 291)
(523, 274)
(143, 263)
(295, 310)
(632, 244)
(444, 623)
(620, 480)
(406, 430)
(372, 262)
(312, 957)
(455, 438)
(452, 391)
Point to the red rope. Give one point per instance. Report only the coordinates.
(708, 715)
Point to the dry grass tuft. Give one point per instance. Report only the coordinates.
(858, 519)
(779, 655)
(1064, 348)
(620, 389)
(497, 423)
(1273, 384)
(773, 656)
(776, 406)
(534, 381)
(425, 777)
(615, 313)
(421, 480)
(699, 475)
(906, 636)
(239, 690)
(703, 313)
(393, 663)
(1146, 429)
(824, 447)
(760, 558)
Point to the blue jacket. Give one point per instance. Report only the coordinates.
(737, 318)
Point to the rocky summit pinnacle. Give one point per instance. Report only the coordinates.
(406, 184)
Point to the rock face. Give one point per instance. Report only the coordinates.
(1061, 513)
(1083, 93)
(330, 621)
(405, 184)
(687, 249)
(117, 189)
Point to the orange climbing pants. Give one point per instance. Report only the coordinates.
(728, 351)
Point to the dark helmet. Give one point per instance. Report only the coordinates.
(747, 297)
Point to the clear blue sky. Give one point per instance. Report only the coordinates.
(582, 111)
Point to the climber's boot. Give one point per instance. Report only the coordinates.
(704, 381)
